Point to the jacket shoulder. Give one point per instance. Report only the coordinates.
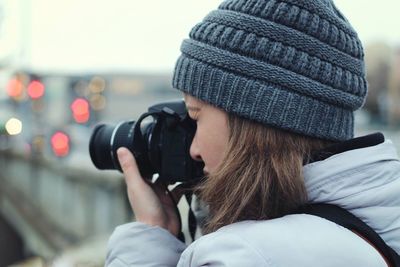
(293, 240)
(223, 248)
(138, 244)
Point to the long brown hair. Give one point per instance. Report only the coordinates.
(260, 176)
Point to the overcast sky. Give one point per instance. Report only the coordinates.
(138, 35)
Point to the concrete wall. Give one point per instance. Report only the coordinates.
(53, 205)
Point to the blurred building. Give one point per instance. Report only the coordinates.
(383, 75)
(394, 90)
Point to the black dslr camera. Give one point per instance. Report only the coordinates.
(160, 145)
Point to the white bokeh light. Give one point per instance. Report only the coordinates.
(13, 126)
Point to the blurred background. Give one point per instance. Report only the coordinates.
(68, 65)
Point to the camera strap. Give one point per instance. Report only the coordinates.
(346, 219)
(192, 222)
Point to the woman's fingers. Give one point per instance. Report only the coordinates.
(169, 200)
(177, 192)
(168, 195)
(144, 201)
(129, 167)
(151, 203)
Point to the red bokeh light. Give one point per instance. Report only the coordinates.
(60, 144)
(80, 110)
(15, 88)
(35, 89)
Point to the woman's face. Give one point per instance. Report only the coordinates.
(211, 138)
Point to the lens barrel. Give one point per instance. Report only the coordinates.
(105, 141)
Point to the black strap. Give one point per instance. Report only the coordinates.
(192, 222)
(355, 143)
(348, 220)
(180, 235)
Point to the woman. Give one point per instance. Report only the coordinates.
(272, 86)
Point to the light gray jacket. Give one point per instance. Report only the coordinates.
(364, 181)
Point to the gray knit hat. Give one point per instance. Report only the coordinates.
(292, 64)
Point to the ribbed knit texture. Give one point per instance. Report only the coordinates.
(292, 64)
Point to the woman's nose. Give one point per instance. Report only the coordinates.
(194, 150)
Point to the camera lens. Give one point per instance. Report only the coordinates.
(105, 141)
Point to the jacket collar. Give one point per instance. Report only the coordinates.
(355, 143)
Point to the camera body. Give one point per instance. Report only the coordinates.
(160, 144)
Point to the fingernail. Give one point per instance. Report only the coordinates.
(121, 152)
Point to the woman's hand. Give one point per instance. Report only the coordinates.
(150, 203)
